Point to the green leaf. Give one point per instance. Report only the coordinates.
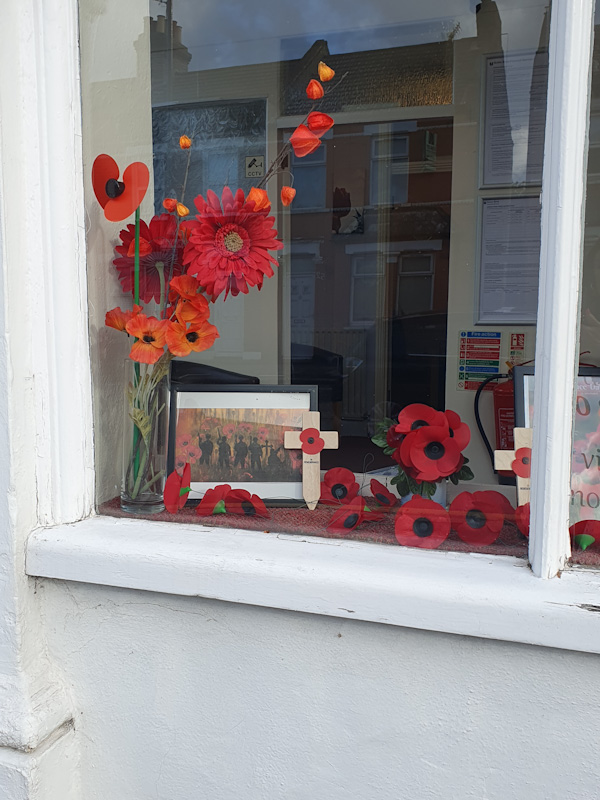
(583, 540)
(142, 422)
(454, 478)
(380, 440)
(185, 490)
(220, 508)
(465, 474)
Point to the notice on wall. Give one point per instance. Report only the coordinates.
(478, 357)
(509, 260)
(516, 354)
(515, 118)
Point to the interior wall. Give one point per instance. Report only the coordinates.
(181, 698)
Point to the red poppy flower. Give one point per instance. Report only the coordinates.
(183, 339)
(287, 195)
(228, 246)
(433, 453)
(459, 430)
(585, 532)
(522, 518)
(311, 441)
(160, 236)
(521, 466)
(150, 335)
(176, 490)
(314, 90)
(192, 453)
(119, 199)
(303, 141)
(383, 496)
(478, 517)
(117, 319)
(338, 486)
(263, 433)
(418, 415)
(228, 429)
(239, 501)
(319, 123)
(213, 501)
(348, 517)
(422, 523)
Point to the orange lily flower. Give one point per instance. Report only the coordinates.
(287, 195)
(182, 340)
(319, 123)
(150, 335)
(170, 203)
(304, 141)
(260, 199)
(195, 310)
(185, 142)
(325, 72)
(314, 90)
(117, 319)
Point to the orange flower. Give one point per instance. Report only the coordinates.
(145, 248)
(182, 211)
(182, 340)
(287, 195)
(304, 141)
(185, 142)
(150, 335)
(195, 310)
(185, 286)
(260, 199)
(170, 203)
(319, 123)
(314, 90)
(325, 72)
(117, 319)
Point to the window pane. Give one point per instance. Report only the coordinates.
(409, 258)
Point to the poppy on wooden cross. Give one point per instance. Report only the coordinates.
(311, 440)
(518, 461)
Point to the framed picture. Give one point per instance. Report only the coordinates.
(235, 434)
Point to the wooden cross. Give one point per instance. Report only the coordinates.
(505, 459)
(311, 440)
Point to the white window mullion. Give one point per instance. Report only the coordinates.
(562, 229)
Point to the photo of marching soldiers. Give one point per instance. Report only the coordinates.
(225, 445)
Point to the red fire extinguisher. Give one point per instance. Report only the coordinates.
(504, 416)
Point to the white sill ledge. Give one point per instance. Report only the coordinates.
(493, 597)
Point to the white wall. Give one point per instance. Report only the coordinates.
(191, 698)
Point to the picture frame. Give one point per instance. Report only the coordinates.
(234, 434)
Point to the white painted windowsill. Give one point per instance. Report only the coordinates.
(493, 597)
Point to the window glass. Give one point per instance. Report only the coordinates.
(408, 267)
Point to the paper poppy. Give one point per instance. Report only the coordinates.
(117, 319)
(170, 204)
(433, 453)
(176, 489)
(287, 195)
(478, 517)
(338, 486)
(319, 123)
(348, 517)
(312, 443)
(119, 199)
(150, 335)
(239, 501)
(260, 198)
(213, 501)
(160, 236)
(325, 72)
(459, 430)
(421, 523)
(521, 466)
(303, 141)
(522, 518)
(418, 415)
(314, 90)
(383, 496)
(194, 338)
(228, 248)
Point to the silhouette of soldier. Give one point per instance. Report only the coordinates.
(240, 449)
(255, 454)
(224, 453)
(206, 448)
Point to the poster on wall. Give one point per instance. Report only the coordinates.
(515, 118)
(509, 260)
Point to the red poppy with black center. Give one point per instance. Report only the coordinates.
(422, 523)
(459, 430)
(311, 441)
(478, 517)
(433, 453)
(383, 496)
(522, 518)
(213, 501)
(176, 490)
(349, 517)
(585, 533)
(119, 199)
(521, 466)
(338, 486)
(239, 501)
(418, 415)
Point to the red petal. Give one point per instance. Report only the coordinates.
(103, 169)
(136, 179)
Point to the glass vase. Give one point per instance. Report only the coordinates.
(146, 432)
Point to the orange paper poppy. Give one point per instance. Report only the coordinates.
(150, 335)
(183, 340)
(119, 199)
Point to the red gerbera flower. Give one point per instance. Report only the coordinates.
(213, 501)
(176, 490)
(459, 430)
(522, 514)
(521, 466)
(382, 495)
(348, 517)
(418, 415)
(478, 517)
(239, 501)
(422, 523)
(338, 486)
(229, 246)
(159, 236)
(433, 453)
(311, 441)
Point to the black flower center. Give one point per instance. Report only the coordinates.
(147, 338)
(248, 508)
(311, 440)
(339, 491)
(192, 336)
(350, 520)
(418, 423)
(381, 498)
(434, 450)
(422, 527)
(475, 518)
(525, 460)
(114, 188)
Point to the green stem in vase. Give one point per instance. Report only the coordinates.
(136, 300)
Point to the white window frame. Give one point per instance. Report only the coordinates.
(41, 182)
